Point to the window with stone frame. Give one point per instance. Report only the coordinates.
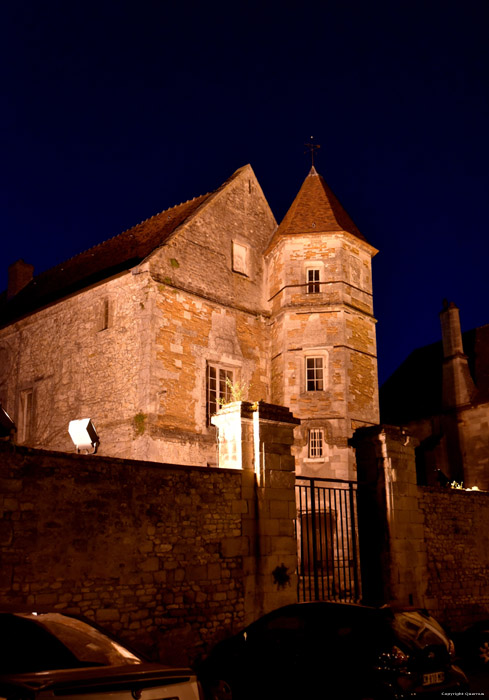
(313, 275)
(240, 258)
(25, 415)
(218, 389)
(316, 443)
(314, 373)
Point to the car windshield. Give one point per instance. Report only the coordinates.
(417, 630)
(51, 641)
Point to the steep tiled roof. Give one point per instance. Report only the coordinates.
(414, 391)
(315, 210)
(102, 261)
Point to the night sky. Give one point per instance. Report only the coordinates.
(114, 111)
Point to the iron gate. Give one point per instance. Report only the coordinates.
(327, 535)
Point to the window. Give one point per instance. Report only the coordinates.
(313, 277)
(240, 258)
(25, 415)
(316, 440)
(104, 315)
(218, 389)
(314, 374)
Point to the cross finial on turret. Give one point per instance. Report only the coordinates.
(311, 148)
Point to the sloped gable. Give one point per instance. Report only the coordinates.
(115, 255)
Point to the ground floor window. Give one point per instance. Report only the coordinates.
(316, 443)
(218, 387)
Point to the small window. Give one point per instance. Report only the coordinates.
(316, 441)
(104, 315)
(218, 389)
(240, 258)
(314, 374)
(313, 281)
(25, 415)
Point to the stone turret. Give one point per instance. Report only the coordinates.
(324, 358)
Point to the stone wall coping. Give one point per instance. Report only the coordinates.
(393, 431)
(98, 460)
(267, 411)
(448, 490)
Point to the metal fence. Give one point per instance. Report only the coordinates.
(327, 535)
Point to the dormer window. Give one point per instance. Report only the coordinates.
(240, 258)
(313, 276)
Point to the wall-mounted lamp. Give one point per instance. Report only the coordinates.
(84, 435)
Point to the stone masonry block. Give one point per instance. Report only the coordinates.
(239, 506)
(287, 462)
(272, 462)
(248, 479)
(276, 448)
(279, 495)
(279, 509)
(234, 547)
(280, 479)
(284, 545)
(266, 547)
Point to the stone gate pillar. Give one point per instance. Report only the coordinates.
(257, 439)
(392, 547)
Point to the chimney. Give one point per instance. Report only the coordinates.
(458, 386)
(20, 274)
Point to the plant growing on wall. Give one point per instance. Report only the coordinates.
(237, 392)
(140, 423)
(457, 485)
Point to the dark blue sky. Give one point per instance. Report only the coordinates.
(113, 111)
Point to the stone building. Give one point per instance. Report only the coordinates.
(145, 333)
(441, 395)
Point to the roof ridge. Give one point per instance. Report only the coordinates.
(121, 233)
(163, 211)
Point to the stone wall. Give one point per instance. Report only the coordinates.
(153, 552)
(420, 545)
(473, 424)
(456, 534)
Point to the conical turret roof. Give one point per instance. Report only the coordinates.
(315, 210)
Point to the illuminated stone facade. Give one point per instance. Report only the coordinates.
(141, 332)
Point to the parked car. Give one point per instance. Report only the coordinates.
(331, 651)
(47, 656)
(473, 646)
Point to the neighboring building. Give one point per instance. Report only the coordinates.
(441, 395)
(142, 332)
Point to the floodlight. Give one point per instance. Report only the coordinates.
(83, 434)
(7, 425)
